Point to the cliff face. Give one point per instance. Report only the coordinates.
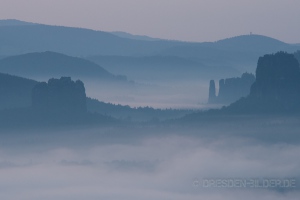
(277, 86)
(212, 92)
(60, 96)
(277, 78)
(231, 89)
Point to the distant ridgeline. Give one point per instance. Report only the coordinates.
(59, 96)
(276, 89)
(230, 89)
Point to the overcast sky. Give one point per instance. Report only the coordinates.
(189, 20)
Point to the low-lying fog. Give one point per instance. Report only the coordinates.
(177, 94)
(160, 94)
(139, 162)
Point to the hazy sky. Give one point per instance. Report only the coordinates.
(189, 20)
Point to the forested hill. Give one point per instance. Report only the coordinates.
(50, 64)
(15, 91)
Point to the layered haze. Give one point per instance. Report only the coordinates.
(160, 73)
(143, 100)
(146, 163)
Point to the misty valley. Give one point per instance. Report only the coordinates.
(88, 114)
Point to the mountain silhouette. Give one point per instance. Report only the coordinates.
(14, 22)
(134, 37)
(50, 64)
(72, 41)
(84, 42)
(252, 43)
(236, 54)
(240, 52)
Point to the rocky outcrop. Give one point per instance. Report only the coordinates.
(212, 92)
(277, 78)
(60, 96)
(231, 89)
(277, 86)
